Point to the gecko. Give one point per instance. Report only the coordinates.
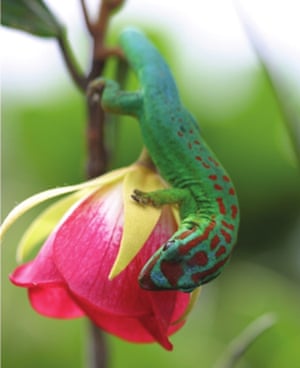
(208, 205)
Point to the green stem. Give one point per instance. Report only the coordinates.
(239, 345)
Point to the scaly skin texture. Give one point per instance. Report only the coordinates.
(208, 204)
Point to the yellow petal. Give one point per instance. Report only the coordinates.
(139, 221)
(36, 199)
(193, 299)
(42, 226)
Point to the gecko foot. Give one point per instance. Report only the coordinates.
(143, 198)
(95, 88)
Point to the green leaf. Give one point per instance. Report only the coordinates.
(31, 16)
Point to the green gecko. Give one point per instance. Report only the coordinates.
(201, 247)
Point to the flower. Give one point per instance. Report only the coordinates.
(91, 259)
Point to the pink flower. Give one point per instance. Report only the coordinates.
(90, 262)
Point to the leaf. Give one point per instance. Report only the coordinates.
(31, 16)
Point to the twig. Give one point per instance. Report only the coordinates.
(79, 79)
(98, 32)
(87, 20)
(239, 345)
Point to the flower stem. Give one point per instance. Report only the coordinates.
(97, 153)
(145, 159)
(96, 119)
(97, 348)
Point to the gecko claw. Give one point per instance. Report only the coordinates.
(139, 197)
(95, 88)
(143, 198)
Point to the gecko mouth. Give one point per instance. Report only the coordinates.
(146, 282)
(145, 278)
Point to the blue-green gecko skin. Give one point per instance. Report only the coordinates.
(200, 248)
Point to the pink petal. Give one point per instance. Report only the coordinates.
(40, 271)
(85, 248)
(142, 329)
(47, 292)
(54, 302)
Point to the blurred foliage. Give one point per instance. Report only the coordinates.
(31, 16)
(43, 145)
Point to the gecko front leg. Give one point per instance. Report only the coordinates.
(114, 100)
(160, 197)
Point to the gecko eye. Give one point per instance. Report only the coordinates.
(168, 244)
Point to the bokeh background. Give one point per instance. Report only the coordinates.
(222, 83)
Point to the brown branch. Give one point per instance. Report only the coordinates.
(97, 153)
(99, 30)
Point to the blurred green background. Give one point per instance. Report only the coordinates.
(43, 146)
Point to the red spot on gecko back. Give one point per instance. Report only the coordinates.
(221, 206)
(198, 259)
(172, 272)
(213, 161)
(213, 177)
(214, 242)
(183, 249)
(180, 134)
(199, 277)
(186, 233)
(198, 158)
(234, 211)
(197, 142)
(207, 166)
(220, 251)
(227, 236)
(231, 191)
(229, 226)
(218, 187)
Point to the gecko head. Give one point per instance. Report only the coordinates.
(180, 265)
(165, 269)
